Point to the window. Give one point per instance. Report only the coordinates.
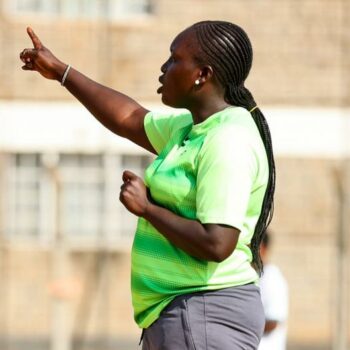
(80, 194)
(36, 6)
(76, 195)
(23, 185)
(111, 9)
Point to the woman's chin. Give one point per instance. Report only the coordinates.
(165, 100)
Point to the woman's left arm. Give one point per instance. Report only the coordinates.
(210, 242)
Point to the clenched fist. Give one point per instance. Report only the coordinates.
(133, 194)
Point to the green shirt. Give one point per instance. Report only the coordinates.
(215, 172)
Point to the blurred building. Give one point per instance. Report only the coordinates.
(64, 237)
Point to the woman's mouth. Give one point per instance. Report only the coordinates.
(159, 90)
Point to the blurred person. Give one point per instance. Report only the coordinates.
(207, 198)
(274, 295)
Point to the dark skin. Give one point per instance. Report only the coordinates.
(270, 326)
(125, 117)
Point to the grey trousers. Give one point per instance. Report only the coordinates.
(225, 319)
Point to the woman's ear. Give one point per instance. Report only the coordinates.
(205, 74)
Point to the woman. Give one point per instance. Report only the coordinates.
(207, 198)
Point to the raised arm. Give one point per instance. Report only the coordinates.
(116, 111)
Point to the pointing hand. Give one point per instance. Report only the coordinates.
(40, 59)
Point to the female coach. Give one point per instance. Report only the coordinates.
(207, 198)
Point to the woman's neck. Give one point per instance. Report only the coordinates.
(204, 111)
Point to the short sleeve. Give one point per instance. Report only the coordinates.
(160, 127)
(227, 167)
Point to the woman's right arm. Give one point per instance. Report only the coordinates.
(116, 111)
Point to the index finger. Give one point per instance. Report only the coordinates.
(36, 41)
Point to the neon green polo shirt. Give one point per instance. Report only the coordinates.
(214, 172)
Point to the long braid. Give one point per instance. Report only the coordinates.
(227, 48)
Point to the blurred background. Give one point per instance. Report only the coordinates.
(64, 238)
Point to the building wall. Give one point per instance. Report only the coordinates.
(301, 59)
(95, 283)
(301, 49)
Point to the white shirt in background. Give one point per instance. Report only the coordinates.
(274, 295)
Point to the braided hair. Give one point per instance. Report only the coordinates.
(227, 48)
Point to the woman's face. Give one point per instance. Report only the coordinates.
(180, 71)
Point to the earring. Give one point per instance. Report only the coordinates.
(197, 82)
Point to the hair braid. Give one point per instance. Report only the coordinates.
(227, 48)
